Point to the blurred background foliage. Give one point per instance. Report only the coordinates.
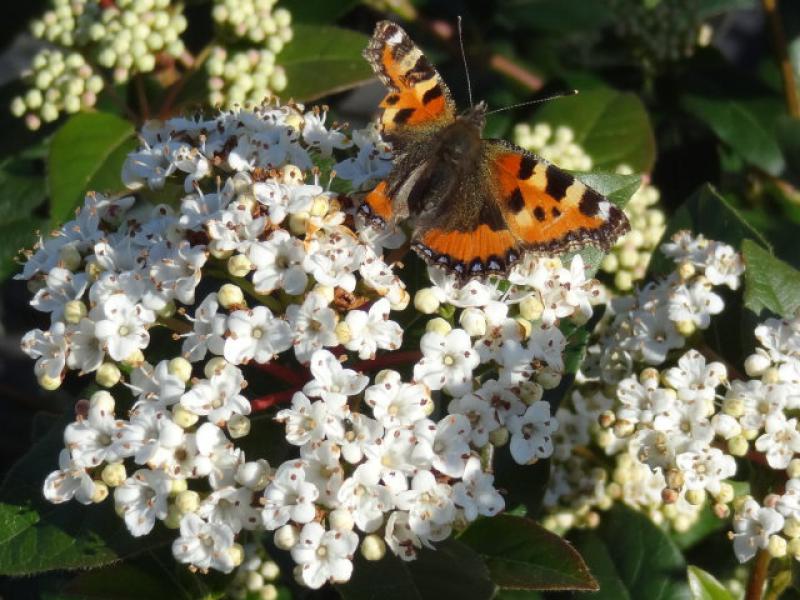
(699, 97)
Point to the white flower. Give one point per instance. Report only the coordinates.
(289, 497)
(447, 362)
(480, 414)
(256, 335)
(430, 507)
(316, 135)
(313, 325)
(218, 397)
(372, 330)
(61, 286)
(69, 482)
(157, 384)
(475, 494)
(363, 495)
(753, 525)
(789, 502)
(278, 264)
(332, 382)
(398, 404)
(49, 348)
(502, 401)
(230, 506)
(641, 402)
(204, 545)
(695, 303)
(208, 330)
(499, 329)
(122, 328)
(308, 421)
(724, 266)
(548, 343)
(693, 379)
(391, 456)
(451, 445)
(151, 437)
(400, 537)
(86, 351)
(175, 271)
(324, 555)
(361, 430)
(142, 499)
(780, 440)
(91, 440)
(531, 433)
(705, 470)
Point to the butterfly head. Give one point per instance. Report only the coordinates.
(475, 115)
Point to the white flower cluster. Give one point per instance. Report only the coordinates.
(254, 21)
(660, 427)
(243, 77)
(124, 35)
(250, 75)
(257, 269)
(58, 83)
(628, 259)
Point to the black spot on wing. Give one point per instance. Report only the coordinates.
(526, 166)
(392, 99)
(590, 202)
(421, 71)
(555, 212)
(403, 115)
(432, 94)
(515, 201)
(538, 212)
(557, 182)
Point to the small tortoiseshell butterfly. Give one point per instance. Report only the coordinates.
(476, 205)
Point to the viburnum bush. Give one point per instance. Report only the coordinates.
(249, 389)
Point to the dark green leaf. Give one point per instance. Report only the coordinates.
(770, 283)
(745, 123)
(14, 236)
(612, 127)
(632, 558)
(521, 554)
(80, 153)
(704, 586)
(453, 570)
(708, 213)
(318, 11)
(37, 536)
(557, 16)
(322, 60)
(710, 8)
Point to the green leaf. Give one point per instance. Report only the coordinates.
(453, 570)
(14, 236)
(556, 16)
(81, 152)
(322, 60)
(318, 11)
(743, 121)
(611, 126)
(523, 555)
(632, 558)
(37, 536)
(770, 283)
(706, 212)
(704, 586)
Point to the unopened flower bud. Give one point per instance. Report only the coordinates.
(473, 321)
(178, 486)
(791, 527)
(738, 445)
(239, 265)
(530, 392)
(793, 470)
(187, 501)
(623, 280)
(373, 547)
(183, 417)
(777, 546)
(343, 333)
(286, 537)
(270, 570)
(230, 296)
(254, 581)
(725, 493)
(114, 474)
(74, 311)
(771, 375)
(238, 426)
(108, 375)
(531, 308)
(686, 328)
(793, 548)
(100, 491)
(253, 474)
(696, 497)
(649, 374)
(135, 359)
(426, 301)
(756, 364)
(548, 378)
(341, 519)
(499, 437)
(180, 368)
(525, 327)
(438, 325)
(49, 383)
(320, 206)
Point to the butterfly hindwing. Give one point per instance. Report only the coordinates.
(547, 209)
(417, 94)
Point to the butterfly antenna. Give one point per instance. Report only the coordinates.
(464, 59)
(537, 101)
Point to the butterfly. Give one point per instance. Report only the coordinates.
(476, 205)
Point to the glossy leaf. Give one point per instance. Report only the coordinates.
(81, 151)
(704, 586)
(770, 283)
(453, 570)
(632, 558)
(37, 536)
(521, 554)
(612, 127)
(706, 212)
(322, 60)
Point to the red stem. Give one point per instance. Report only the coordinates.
(287, 374)
(264, 402)
(388, 360)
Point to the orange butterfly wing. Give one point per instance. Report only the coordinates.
(417, 94)
(547, 209)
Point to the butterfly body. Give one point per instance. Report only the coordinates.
(475, 205)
